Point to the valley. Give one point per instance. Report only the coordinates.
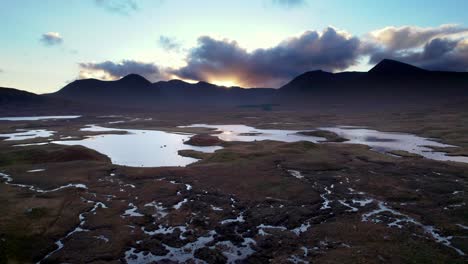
(300, 200)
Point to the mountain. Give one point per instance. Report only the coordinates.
(15, 102)
(388, 82)
(137, 92)
(10, 96)
(129, 87)
(207, 93)
(387, 66)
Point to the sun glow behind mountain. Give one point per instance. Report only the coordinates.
(227, 83)
(233, 43)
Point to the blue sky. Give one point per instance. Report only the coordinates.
(95, 31)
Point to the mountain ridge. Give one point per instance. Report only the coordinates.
(389, 80)
(388, 77)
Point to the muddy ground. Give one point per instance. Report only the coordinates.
(250, 202)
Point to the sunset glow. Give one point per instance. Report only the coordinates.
(229, 132)
(248, 49)
(226, 83)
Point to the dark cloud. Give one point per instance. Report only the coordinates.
(435, 48)
(224, 60)
(407, 37)
(437, 54)
(289, 3)
(51, 39)
(122, 7)
(109, 70)
(169, 43)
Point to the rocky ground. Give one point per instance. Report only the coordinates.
(250, 202)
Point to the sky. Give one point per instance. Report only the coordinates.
(264, 43)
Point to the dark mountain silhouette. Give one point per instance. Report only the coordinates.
(14, 96)
(387, 66)
(135, 91)
(130, 86)
(390, 82)
(17, 102)
(207, 93)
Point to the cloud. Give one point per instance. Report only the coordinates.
(169, 43)
(225, 60)
(51, 39)
(438, 54)
(122, 7)
(109, 70)
(435, 48)
(289, 3)
(407, 37)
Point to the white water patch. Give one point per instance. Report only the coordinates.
(71, 185)
(263, 229)
(180, 255)
(186, 253)
(140, 148)
(238, 219)
(351, 208)
(215, 208)
(363, 202)
(36, 170)
(326, 201)
(67, 137)
(400, 218)
(27, 134)
(359, 202)
(8, 180)
(164, 230)
(236, 254)
(379, 141)
(297, 260)
(132, 211)
(79, 228)
(31, 144)
(109, 116)
(247, 133)
(160, 210)
(296, 173)
(103, 238)
(389, 141)
(116, 122)
(179, 204)
(59, 245)
(352, 191)
(35, 118)
(301, 229)
(188, 187)
(233, 202)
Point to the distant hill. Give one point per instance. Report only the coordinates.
(14, 102)
(14, 96)
(387, 66)
(129, 88)
(135, 91)
(389, 81)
